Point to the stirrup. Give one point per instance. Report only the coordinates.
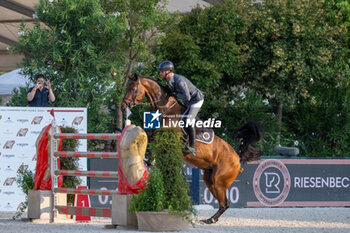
(189, 150)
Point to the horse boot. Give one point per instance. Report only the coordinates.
(191, 145)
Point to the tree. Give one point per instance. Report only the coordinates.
(293, 48)
(253, 59)
(146, 20)
(74, 47)
(209, 46)
(340, 15)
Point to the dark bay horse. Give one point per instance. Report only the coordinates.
(220, 162)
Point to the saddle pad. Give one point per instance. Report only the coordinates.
(204, 135)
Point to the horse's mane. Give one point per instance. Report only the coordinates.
(165, 88)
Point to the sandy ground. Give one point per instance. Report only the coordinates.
(250, 220)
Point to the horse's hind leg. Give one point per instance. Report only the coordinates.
(224, 204)
(217, 184)
(208, 179)
(218, 193)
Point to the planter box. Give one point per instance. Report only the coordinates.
(160, 221)
(121, 215)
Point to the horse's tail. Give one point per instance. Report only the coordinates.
(249, 134)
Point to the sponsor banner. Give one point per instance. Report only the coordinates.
(267, 183)
(19, 129)
(288, 183)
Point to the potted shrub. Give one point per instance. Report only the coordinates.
(25, 181)
(165, 204)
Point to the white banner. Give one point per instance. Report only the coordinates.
(19, 129)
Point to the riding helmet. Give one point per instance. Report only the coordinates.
(166, 65)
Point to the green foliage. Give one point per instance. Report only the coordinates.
(203, 46)
(209, 46)
(322, 128)
(70, 163)
(293, 47)
(19, 97)
(167, 150)
(88, 47)
(170, 187)
(340, 15)
(75, 51)
(153, 197)
(146, 21)
(298, 58)
(290, 52)
(25, 181)
(274, 52)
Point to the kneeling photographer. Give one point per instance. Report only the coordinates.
(41, 93)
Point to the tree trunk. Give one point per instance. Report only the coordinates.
(119, 116)
(279, 122)
(119, 113)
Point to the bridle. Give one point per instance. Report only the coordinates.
(131, 102)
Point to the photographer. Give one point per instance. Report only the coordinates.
(41, 93)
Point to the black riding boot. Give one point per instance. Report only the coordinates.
(191, 145)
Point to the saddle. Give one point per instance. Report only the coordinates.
(203, 134)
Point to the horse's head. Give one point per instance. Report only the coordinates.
(134, 93)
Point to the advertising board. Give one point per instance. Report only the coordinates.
(19, 129)
(277, 182)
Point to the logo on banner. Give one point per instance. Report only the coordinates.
(8, 206)
(21, 206)
(22, 144)
(22, 132)
(35, 132)
(22, 120)
(9, 181)
(77, 120)
(23, 168)
(34, 157)
(63, 122)
(151, 120)
(271, 182)
(9, 144)
(0, 117)
(9, 193)
(7, 131)
(9, 169)
(8, 121)
(37, 120)
(22, 156)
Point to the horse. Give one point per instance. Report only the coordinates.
(219, 161)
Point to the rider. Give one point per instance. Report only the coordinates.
(186, 93)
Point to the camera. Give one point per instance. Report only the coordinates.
(44, 84)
